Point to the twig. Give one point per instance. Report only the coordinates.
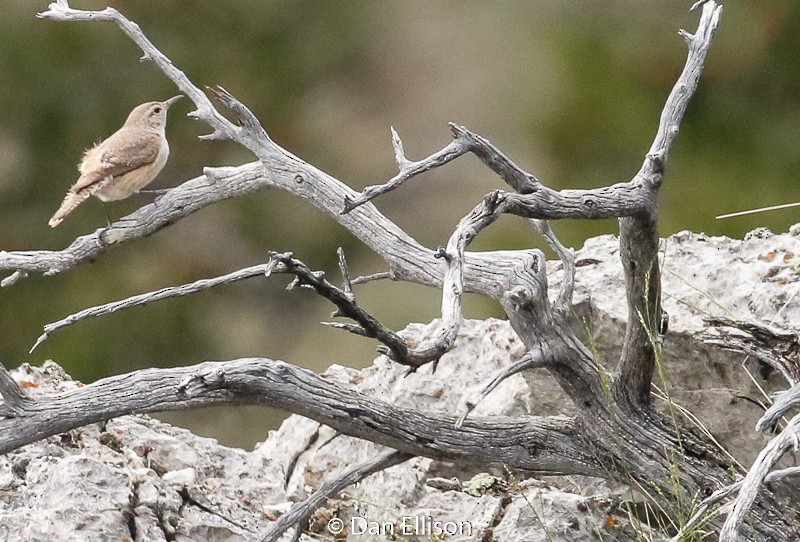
(368, 326)
(767, 458)
(530, 360)
(784, 401)
(150, 297)
(223, 128)
(302, 511)
(408, 169)
(374, 276)
(567, 256)
(724, 493)
(347, 286)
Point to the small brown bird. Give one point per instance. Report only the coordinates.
(124, 163)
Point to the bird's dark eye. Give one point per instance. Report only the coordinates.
(157, 110)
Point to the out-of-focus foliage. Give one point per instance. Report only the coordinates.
(571, 91)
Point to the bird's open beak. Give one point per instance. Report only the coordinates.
(173, 100)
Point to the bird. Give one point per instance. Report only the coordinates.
(125, 162)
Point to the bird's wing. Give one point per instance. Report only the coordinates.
(120, 153)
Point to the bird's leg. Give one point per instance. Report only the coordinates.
(105, 212)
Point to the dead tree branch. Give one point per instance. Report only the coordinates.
(700, 515)
(150, 297)
(776, 348)
(615, 435)
(301, 512)
(753, 482)
(530, 444)
(367, 325)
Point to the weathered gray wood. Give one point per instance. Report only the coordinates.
(300, 513)
(614, 433)
(753, 482)
(533, 444)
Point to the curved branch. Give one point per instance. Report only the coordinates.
(724, 493)
(150, 297)
(752, 483)
(531, 360)
(251, 135)
(532, 444)
(783, 402)
(563, 302)
(302, 511)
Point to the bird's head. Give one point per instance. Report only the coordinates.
(151, 114)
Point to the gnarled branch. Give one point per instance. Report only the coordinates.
(531, 444)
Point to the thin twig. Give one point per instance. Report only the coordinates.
(302, 511)
(384, 275)
(223, 128)
(408, 169)
(368, 326)
(347, 286)
(567, 256)
(150, 297)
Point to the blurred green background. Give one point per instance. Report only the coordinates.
(570, 90)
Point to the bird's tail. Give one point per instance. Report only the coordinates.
(71, 201)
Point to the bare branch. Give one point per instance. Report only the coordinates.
(150, 297)
(258, 381)
(61, 11)
(346, 307)
(530, 360)
(444, 336)
(783, 402)
(512, 174)
(347, 286)
(302, 512)
(766, 460)
(773, 346)
(384, 275)
(724, 493)
(13, 278)
(567, 256)
(638, 232)
(682, 92)
(408, 169)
